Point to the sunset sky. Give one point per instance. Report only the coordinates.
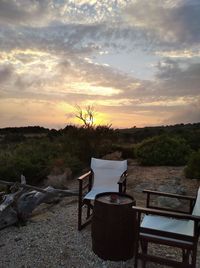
(137, 62)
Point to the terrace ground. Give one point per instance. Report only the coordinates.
(51, 238)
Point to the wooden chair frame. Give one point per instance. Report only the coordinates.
(187, 243)
(85, 185)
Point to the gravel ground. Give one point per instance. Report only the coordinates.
(51, 239)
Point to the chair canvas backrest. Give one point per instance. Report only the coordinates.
(107, 173)
(196, 209)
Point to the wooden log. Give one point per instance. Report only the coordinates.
(30, 187)
(18, 205)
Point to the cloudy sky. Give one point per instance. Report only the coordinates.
(137, 62)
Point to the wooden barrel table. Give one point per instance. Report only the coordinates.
(113, 226)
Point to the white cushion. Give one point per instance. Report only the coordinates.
(92, 194)
(171, 225)
(196, 209)
(106, 176)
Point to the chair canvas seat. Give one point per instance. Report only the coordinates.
(184, 227)
(106, 176)
(92, 194)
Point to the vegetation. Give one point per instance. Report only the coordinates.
(163, 150)
(190, 132)
(87, 116)
(36, 151)
(192, 169)
(71, 147)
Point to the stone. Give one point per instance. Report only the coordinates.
(113, 156)
(59, 180)
(163, 201)
(172, 186)
(144, 185)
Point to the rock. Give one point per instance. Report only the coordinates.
(113, 156)
(59, 180)
(172, 186)
(144, 185)
(17, 239)
(163, 201)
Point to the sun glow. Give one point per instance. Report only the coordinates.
(90, 89)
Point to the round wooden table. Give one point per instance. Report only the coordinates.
(113, 226)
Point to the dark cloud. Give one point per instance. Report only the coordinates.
(188, 114)
(73, 39)
(22, 11)
(174, 80)
(177, 25)
(6, 71)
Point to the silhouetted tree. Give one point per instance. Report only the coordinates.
(86, 116)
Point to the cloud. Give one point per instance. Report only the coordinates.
(164, 24)
(22, 12)
(27, 12)
(50, 52)
(177, 80)
(6, 72)
(188, 114)
(114, 24)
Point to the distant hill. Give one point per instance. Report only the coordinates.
(23, 130)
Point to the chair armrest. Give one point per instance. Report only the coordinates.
(123, 177)
(158, 212)
(186, 197)
(84, 176)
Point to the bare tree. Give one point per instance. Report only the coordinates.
(86, 116)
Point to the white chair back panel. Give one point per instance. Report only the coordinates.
(196, 209)
(109, 178)
(107, 173)
(110, 164)
(171, 225)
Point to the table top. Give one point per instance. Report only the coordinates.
(115, 199)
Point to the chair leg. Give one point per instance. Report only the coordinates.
(84, 219)
(136, 252)
(136, 260)
(144, 247)
(194, 257)
(80, 204)
(88, 211)
(186, 256)
(80, 215)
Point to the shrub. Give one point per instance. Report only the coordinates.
(163, 150)
(127, 151)
(192, 169)
(34, 159)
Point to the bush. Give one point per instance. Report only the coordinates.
(71, 148)
(163, 150)
(34, 159)
(192, 169)
(127, 151)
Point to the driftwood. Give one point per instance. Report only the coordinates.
(17, 206)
